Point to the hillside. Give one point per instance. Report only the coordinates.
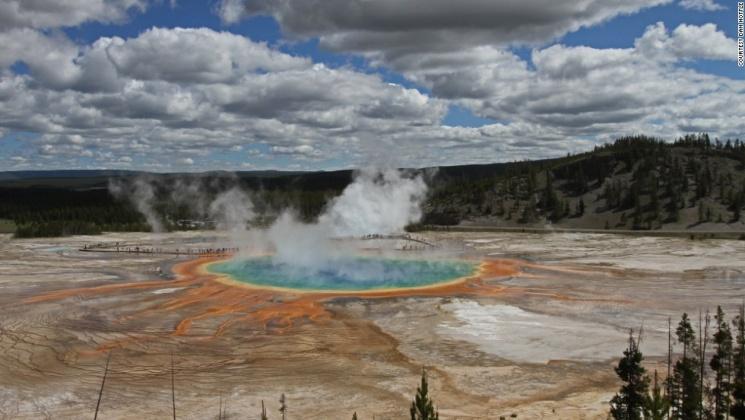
(637, 183)
(634, 183)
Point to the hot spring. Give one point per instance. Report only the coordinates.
(354, 274)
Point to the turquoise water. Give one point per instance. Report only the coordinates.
(349, 274)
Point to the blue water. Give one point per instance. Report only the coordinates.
(349, 274)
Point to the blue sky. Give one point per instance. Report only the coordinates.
(251, 85)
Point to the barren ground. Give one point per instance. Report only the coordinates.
(540, 343)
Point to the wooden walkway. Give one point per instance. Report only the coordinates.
(138, 249)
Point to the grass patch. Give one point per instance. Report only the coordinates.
(7, 226)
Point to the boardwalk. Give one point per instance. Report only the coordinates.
(119, 247)
(403, 237)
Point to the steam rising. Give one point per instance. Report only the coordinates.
(381, 202)
(300, 245)
(232, 210)
(376, 202)
(141, 193)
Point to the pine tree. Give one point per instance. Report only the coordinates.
(580, 181)
(671, 390)
(629, 402)
(422, 408)
(737, 409)
(550, 200)
(283, 406)
(686, 374)
(531, 181)
(655, 203)
(656, 405)
(528, 214)
(263, 411)
(701, 212)
(637, 220)
(736, 202)
(720, 365)
(703, 336)
(673, 213)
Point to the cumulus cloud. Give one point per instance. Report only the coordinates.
(395, 27)
(584, 91)
(30, 33)
(173, 98)
(186, 91)
(193, 55)
(49, 57)
(54, 14)
(686, 42)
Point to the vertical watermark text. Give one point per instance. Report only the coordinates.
(741, 33)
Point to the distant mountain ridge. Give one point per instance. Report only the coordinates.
(71, 173)
(98, 173)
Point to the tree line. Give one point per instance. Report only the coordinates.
(54, 211)
(704, 382)
(647, 181)
(47, 212)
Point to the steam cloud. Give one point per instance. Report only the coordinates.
(376, 202)
(142, 194)
(232, 210)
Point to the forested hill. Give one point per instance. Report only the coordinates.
(634, 183)
(694, 183)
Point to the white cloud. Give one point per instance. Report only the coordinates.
(302, 150)
(707, 5)
(53, 14)
(195, 55)
(219, 91)
(49, 57)
(686, 42)
(584, 91)
(167, 98)
(178, 55)
(399, 27)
